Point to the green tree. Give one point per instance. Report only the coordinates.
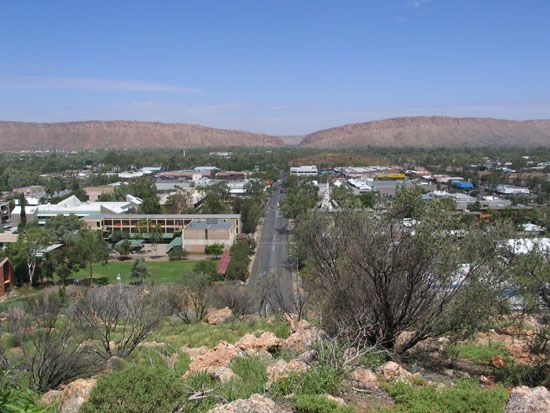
(238, 267)
(26, 249)
(90, 250)
(140, 273)
(216, 199)
(23, 214)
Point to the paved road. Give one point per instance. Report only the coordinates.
(271, 253)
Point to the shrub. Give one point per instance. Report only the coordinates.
(478, 352)
(319, 404)
(464, 396)
(214, 249)
(318, 379)
(177, 255)
(135, 389)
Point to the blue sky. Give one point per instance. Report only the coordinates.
(282, 67)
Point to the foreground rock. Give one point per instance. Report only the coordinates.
(215, 317)
(364, 379)
(255, 404)
(303, 336)
(50, 397)
(282, 369)
(214, 362)
(526, 400)
(75, 394)
(267, 341)
(393, 371)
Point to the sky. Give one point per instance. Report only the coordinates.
(282, 67)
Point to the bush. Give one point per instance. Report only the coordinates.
(214, 249)
(464, 396)
(136, 389)
(319, 404)
(478, 352)
(177, 255)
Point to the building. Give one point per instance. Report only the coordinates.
(307, 170)
(93, 192)
(6, 276)
(512, 190)
(4, 212)
(197, 230)
(33, 191)
(74, 206)
(464, 185)
(198, 234)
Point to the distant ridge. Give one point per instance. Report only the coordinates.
(16, 136)
(434, 131)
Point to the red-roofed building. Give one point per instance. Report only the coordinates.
(6, 276)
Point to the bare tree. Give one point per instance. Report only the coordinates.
(280, 295)
(120, 316)
(238, 298)
(190, 299)
(386, 276)
(55, 349)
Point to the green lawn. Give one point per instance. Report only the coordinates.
(161, 272)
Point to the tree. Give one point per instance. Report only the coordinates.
(23, 215)
(238, 267)
(120, 317)
(372, 273)
(155, 235)
(91, 249)
(57, 351)
(140, 273)
(27, 247)
(214, 249)
(60, 226)
(238, 298)
(123, 248)
(216, 199)
(190, 299)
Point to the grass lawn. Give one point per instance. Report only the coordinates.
(161, 272)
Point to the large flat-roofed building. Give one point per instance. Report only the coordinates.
(198, 234)
(306, 170)
(198, 230)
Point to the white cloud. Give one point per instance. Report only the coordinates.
(89, 83)
(416, 4)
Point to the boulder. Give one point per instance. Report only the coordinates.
(267, 341)
(215, 317)
(363, 378)
(303, 336)
(222, 374)
(393, 371)
(528, 400)
(338, 400)
(50, 397)
(282, 369)
(75, 394)
(260, 353)
(255, 404)
(212, 360)
(308, 356)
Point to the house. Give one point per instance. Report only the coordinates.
(4, 212)
(93, 192)
(33, 191)
(6, 276)
(198, 234)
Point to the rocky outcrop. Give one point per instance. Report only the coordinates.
(215, 317)
(527, 400)
(75, 394)
(215, 362)
(363, 378)
(282, 369)
(255, 404)
(267, 341)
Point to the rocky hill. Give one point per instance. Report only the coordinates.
(435, 131)
(122, 134)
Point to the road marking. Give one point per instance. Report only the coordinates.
(273, 248)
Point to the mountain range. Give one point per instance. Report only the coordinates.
(435, 131)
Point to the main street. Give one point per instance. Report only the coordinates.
(271, 251)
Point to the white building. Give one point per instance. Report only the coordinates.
(306, 170)
(511, 190)
(74, 206)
